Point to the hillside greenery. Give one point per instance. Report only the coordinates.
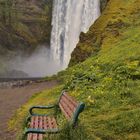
(108, 79)
(24, 25)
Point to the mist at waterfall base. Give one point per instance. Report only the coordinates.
(39, 64)
(69, 19)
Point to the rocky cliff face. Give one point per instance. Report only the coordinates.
(103, 4)
(23, 25)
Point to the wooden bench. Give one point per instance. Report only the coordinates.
(47, 124)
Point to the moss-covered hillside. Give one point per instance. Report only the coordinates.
(23, 25)
(117, 16)
(108, 81)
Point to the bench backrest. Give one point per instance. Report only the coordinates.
(70, 107)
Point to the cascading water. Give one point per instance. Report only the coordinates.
(70, 18)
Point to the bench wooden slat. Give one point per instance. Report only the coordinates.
(35, 136)
(72, 100)
(29, 136)
(66, 115)
(66, 109)
(32, 122)
(45, 122)
(40, 122)
(69, 104)
(49, 121)
(54, 123)
(40, 136)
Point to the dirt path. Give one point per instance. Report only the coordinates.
(12, 99)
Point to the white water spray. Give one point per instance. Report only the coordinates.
(70, 18)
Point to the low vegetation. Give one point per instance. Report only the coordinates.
(108, 81)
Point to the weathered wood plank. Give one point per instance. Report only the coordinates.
(35, 136)
(72, 100)
(54, 123)
(45, 122)
(40, 136)
(32, 123)
(63, 110)
(29, 136)
(70, 105)
(66, 108)
(50, 123)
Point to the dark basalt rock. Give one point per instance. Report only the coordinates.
(103, 4)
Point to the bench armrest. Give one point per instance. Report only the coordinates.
(40, 107)
(42, 131)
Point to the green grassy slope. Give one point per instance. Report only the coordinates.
(108, 82)
(107, 29)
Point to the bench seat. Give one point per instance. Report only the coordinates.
(41, 122)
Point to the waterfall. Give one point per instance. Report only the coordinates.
(69, 19)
